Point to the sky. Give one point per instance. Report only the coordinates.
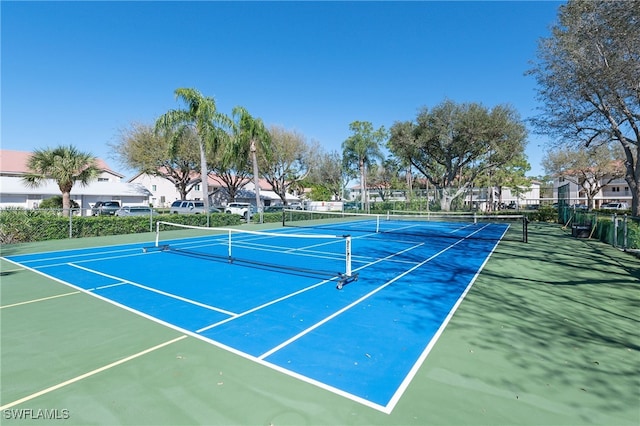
(80, 73)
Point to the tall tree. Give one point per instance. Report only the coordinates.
(66, 165)
(328, 172)
(588, 75)
(251, 136)
(167, 153)
(234, 172)
(453, 144)
(362, 149)
(201, 116)
(288, 162)
(589, 168)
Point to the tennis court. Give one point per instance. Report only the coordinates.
(360, 331)
(363, 343)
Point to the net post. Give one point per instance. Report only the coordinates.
(157, 233)
(525, 229)
(348, 255)
(229, 247)
(475, 218)
(377, 223)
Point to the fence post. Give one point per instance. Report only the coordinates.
(615, 230)
(625, 242)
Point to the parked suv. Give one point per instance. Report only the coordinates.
(243, 209)
(102, 208)
(190, 207)
(615, 206)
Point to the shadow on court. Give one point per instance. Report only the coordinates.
(560, 321)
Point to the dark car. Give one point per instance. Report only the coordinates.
(274, 209)
(108, 208)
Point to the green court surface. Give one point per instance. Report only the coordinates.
(548, 335)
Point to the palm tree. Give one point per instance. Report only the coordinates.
(202, 117)
(362, 149)
(251, 135)
(66, 165)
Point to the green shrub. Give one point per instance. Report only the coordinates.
(22, 226)
(55, 202)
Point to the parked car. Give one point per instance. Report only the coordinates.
(351, 205)
(243, 209)
(295, 206)
(135, 211)
(615, 206)
(102, 208)
(274, 209)
(190, 207)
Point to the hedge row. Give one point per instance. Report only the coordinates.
(22, 226)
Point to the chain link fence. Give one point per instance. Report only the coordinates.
(619, 230)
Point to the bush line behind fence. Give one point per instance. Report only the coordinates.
(24, 225)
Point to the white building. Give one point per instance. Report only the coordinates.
(108, 186)
(615, 191)
(163, 192)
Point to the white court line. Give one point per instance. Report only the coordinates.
(414, 370)
(389, 407)
(81, 255)
(356, 302)
(90, 373)
(164, 293)
(39, 300)
(257, 308)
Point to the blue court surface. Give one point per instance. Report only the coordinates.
(364, 341)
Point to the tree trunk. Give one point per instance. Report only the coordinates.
(256, 178)
(204, 180)
(66, 203)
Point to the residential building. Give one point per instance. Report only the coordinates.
(163, 192)
(108, 186)
(615, 191)
(477, 198)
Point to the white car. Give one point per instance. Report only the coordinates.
(243, 209)
(190, 207)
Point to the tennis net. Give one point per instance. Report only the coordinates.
(322, 255)
(440, 225)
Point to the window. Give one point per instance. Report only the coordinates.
(154, 188)
(615, 189)
(102, 179)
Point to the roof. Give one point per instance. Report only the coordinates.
(15, 185)
(215, 180)
(15, 162)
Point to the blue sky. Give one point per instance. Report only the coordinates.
(79, 72)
